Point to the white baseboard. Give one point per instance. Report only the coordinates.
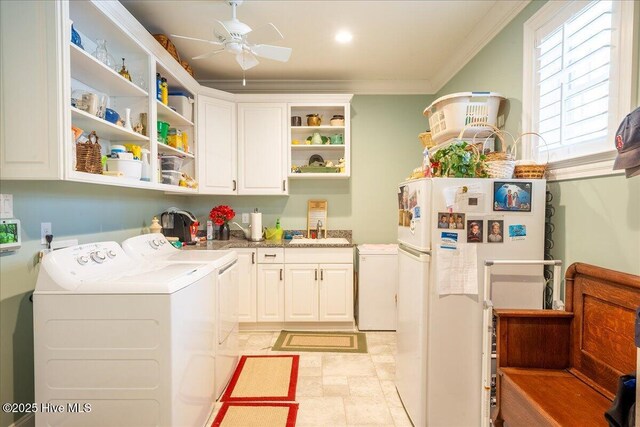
(28, 420)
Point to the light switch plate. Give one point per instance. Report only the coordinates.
(6, 206)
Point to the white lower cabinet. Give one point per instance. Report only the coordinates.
(270, 293)
(286, 285)
(336, 292)
(301, 292)
(247, 276)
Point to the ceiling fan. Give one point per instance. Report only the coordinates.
(232, 36)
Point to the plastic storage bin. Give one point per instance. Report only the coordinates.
(449, 114)
(170, 163)
(182, 103)
(130, 168)
(171, 177)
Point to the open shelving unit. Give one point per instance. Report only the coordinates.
(299, 154)
(87, 73)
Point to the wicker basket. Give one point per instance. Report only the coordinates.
(187, 67)
(531, 171)
(500, 168)
(168, 45)
(425, 138)
(88, 155)
(498, 164)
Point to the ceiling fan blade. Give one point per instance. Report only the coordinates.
(266, 34)
(246, 60)
(221, 31)
(207, 55)
(277, 53)
(195, 39)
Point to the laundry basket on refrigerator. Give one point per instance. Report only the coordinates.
(450, 114)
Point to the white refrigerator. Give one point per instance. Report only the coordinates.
(447, 227)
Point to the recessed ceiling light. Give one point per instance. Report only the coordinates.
(344, 37)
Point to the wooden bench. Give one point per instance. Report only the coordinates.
(561, 368)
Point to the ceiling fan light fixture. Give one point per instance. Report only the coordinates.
(344, 36)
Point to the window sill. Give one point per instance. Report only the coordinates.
(600, 164)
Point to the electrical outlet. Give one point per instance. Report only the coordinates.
(6, 206)
(245, 218)
(45, 228)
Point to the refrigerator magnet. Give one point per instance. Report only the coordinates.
(512, 196)
(448, 240)
(517, 232)
(451, 221)
(495, 233)
(475, 231)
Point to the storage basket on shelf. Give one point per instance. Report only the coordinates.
(88, 155)
(529, 169)
(451, 114)
(168, 45)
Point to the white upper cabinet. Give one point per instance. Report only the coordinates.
(217, 164)
(30, 90)
(262, 136)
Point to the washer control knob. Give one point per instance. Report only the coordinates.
(154, 243)
(82, 259)
(98, 257)
(111, 253)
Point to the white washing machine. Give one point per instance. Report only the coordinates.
(156, 248)
(123, 343)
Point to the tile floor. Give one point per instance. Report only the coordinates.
(341, 389)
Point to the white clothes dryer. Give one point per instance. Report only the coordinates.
(120, 343)
(155, 248)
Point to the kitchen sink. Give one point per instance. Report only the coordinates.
(328, 241)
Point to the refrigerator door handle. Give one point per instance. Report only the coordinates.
(417, 255)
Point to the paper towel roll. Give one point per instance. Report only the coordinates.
(256, 226)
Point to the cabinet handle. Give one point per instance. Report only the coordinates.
(321, 274)
(284, 185)
(316, 274)
(270, 255)
(234, 185)
(280, 274)
(253, 257)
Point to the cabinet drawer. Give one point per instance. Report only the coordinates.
(319, 255)
(270, 256)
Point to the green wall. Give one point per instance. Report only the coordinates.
(87, 212)
(385, 148)
(597, 220)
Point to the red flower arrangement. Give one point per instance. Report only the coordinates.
(221, 214)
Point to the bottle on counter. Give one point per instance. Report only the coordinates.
(158, 87)
(209, 230)
(164, 90)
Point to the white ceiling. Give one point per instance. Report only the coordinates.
(398, 46)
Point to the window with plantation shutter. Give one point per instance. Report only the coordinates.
(577, 79)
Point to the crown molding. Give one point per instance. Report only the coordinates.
(496, 19)
(358, 87)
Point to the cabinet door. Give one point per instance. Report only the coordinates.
(301, 292)
(247, 275)
(336, 292)
(217, 146)
(270, 293)
(32, 123)
(261, 148)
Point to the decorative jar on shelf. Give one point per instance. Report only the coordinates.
(102, 54)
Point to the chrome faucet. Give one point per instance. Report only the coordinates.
(319, 230)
